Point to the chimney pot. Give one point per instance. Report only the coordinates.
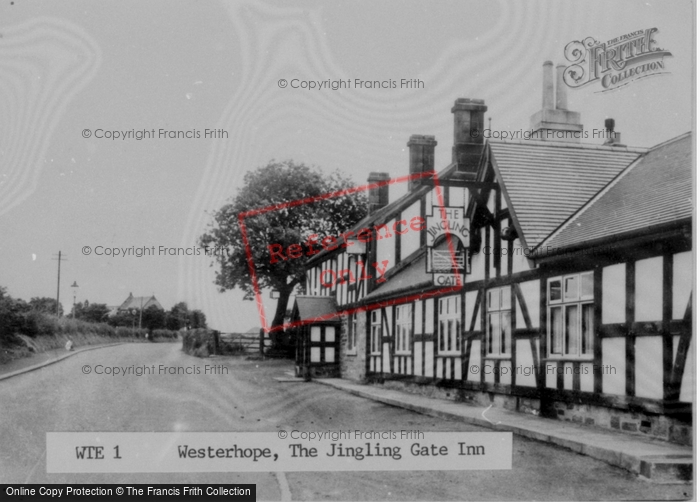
(378, 196)
(547, 85)
(421, 150)
(612, 138)
(562, 103)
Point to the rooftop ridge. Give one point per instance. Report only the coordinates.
(578, 146)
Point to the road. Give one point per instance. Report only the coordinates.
(59, 397)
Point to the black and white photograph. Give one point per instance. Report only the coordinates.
(366, 250)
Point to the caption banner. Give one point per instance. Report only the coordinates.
(87, 452)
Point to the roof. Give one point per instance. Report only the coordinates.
(545, 182)
(380, 214)
(140, 302)
(410, 278)
(656, 190)
(254, 329)
(315, 308)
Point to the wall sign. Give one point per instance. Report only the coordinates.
(447, 220)
(448, 265)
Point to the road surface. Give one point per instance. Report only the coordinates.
(61, 398)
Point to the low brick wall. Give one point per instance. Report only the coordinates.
(640, 424)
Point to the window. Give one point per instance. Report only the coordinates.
(376, 337)
(449, 325)
(404, 328)
(570, 315)
(498, 327)
(352, 332)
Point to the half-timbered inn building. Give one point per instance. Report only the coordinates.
(549, 276)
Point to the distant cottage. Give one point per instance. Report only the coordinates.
(137, 303)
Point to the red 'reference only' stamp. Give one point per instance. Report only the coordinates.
(330, 278)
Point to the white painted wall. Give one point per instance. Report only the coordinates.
(418, 358)
(688, 381)
(458, 368)
(550, 372)
(648, 290)
(520, 253)
(648, 381)
(506, 372)
(524, 360)
(429, 306)
(469, 306)
(488, 369)
(531, 294)
(682, 282)
(587, 377)
(418, 317)
(477, 270)
(614, 294)
(429, 359)
(457, 196)
(614, 355)
(386, 247)
(568, 376)
(410, 241)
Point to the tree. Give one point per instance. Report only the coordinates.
(153, 318)
(277, 183)
(13, 316)
(91, 312)
(46, 305)
(197, 319)
(178, 317)
(123, 318)
(8, 317)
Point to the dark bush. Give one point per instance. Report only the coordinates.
(164, 335)
(199, 342)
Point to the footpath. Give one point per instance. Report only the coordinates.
(41, 359)
(654, 460)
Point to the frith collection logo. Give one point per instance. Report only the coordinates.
(616, 62)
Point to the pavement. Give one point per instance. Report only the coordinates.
(655, 460)
(41, 359)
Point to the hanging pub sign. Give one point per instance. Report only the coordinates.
(448, 263)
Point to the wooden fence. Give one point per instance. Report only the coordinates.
(249, 341)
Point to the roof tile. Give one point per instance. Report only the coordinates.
(656, 190)
(547, 182)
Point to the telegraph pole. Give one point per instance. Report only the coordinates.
(58, 287)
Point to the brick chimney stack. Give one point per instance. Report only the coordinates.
(555, 122)
(468, 134)
(378, 196)
(421, 151)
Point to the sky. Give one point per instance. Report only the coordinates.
(67, 67)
